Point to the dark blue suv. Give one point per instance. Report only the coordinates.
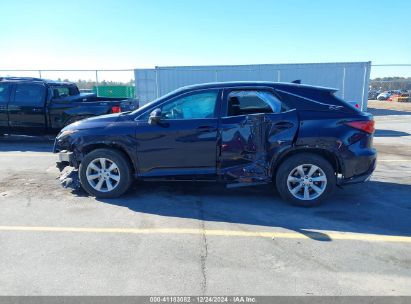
(302, 138)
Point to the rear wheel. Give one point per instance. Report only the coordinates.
(105, 173)
(305, 179)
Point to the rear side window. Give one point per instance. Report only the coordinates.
(29, 95)
(64, 91)
(253, 102)
(4, 93)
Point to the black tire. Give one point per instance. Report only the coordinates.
(290, 164)
(123, 170)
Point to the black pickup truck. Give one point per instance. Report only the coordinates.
(34, 106)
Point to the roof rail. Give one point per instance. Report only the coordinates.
(21, 78)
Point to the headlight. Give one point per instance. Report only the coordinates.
(65, 133)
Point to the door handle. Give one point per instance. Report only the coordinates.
(204, 129)
(36, 110)
(283, 125)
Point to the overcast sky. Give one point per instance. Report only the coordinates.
(116, 34)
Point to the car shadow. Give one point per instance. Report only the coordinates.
(26, 143)
(373, 208)
(384, 112)
(390, 133)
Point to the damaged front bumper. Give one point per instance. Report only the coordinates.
(69, 177)
(65, 159)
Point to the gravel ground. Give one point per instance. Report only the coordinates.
(379, 106)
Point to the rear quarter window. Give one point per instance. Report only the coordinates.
(315, 100)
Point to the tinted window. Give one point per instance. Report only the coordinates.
(64, 91)
(4, 93)
(252, 102)
(200, 105)
(29, 94)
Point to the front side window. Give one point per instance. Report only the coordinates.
(29, 94)
(195, 106)
(252, 102)
(4, 93)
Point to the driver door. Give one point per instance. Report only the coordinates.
(184, 141)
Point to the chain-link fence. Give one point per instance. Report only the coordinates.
(105, 83)
(121, 83)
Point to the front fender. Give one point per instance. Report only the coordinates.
(126, 145)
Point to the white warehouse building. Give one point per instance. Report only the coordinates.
(350, 78)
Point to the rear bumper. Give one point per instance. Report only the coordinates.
(364, 177)
(358, 165)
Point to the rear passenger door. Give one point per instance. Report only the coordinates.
(27, 111)
(4, 100)
(255, 127)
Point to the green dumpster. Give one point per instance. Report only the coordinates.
(118, 91)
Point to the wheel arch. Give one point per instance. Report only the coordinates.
(326, 154)
(94, 146)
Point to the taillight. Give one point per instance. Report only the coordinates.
(357, 105)
(115, 109)
(364, 125)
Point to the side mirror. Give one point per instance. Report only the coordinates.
(155, 117)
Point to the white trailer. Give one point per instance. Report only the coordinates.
(350, 78)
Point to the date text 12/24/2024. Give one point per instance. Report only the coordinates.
(203, 299)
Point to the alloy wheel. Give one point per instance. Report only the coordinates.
(307, 182)
(103, 174)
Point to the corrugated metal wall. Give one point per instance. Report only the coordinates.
(350, 78)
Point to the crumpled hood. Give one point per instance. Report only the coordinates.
(94, 122)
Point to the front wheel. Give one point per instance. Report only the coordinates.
(305, 179)
(105, 173)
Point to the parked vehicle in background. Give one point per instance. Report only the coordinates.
(384, 95)
(303, 138)
(34, 106)
(393, 97)
(373, 94)
(404, 97)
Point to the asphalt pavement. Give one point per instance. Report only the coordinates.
(201, 238)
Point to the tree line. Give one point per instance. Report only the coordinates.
(390, 83)
(90, 84)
